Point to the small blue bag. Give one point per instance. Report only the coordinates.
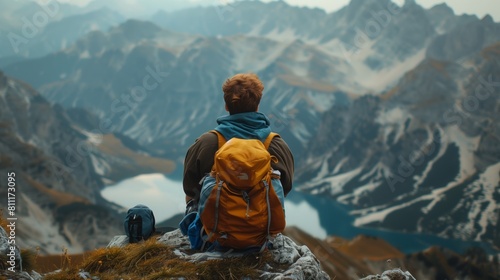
(139, 224)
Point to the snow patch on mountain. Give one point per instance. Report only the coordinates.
(285, 35)
(393, 122)
(360, 191)
(245, 48)
(379, 216)
(466, 146)
(335, 183)
(39, 226)
(379, 80)
(320, 101)
(101, 167)
(337, 167)
(85, 55)
(484, 211)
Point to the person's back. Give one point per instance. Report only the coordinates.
(242, 94)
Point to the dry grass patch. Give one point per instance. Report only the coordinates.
(151, 260)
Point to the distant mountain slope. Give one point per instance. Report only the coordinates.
(59, 170)
(444, 19)
(144, 77)
(464, 39)
(378, 33)
(365, 255)
(427, 149)
(35, 141)
(245, 17)
(58, 26)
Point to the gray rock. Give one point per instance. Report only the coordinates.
(118, 241)
(302, 262)
(176, 239)
(18, 273)
(5, 250)
(394, 274)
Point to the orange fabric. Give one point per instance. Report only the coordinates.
(239, 227)
(242, 165)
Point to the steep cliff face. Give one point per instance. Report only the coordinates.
(465, 39)
(40, 146)
(59, 170)
(428, 149)
(38, 139)
(443, 18)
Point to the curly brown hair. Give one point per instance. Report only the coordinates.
(242, 93)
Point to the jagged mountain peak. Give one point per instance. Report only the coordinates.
(487, 19)
(362, 4)
(137, 26)
(444, 19)
(443, 8)
(409, 3)
(362, 8)
(465, 39)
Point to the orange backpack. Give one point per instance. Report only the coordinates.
(242, 208)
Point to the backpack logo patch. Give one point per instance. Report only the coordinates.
(243, 176)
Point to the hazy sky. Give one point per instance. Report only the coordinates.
(478, 7)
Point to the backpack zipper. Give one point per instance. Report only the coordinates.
(247, 200)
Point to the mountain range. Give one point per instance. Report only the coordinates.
(60, 169)
(391, 110)
(31, 30)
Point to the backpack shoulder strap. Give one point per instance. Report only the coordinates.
(267, 142)
(270, 138)
(220, 137)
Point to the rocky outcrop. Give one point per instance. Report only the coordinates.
(294, 255)
(53, 171)
(443, 18)
(395, 274)
(465, 39)
(291, 261)
(11, 263)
